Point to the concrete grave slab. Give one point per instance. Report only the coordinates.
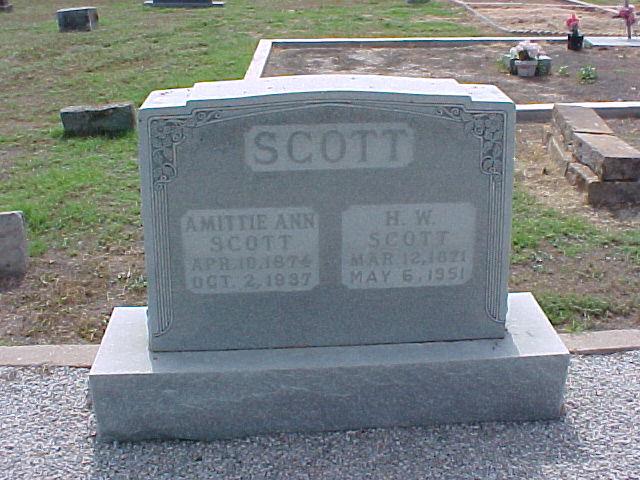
(326, 210)
(207, 395)
(569, 119)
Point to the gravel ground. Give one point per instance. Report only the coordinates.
(47, 431)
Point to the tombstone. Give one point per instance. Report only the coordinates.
(82, 19)
(13, 245)
(183, 3)
(109, 119)
(325, 253)
(5, 6)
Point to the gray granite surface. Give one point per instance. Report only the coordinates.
(48, 431)
(325, 211)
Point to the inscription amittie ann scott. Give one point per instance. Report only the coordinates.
(250, 250)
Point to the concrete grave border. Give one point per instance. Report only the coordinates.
(82, 356)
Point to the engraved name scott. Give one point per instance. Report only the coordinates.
(329, 146)
(250, 250)
(417, 245)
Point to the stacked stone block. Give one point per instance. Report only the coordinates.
(593, 158)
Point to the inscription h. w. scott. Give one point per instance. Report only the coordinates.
(329, 146)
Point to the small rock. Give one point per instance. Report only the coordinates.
(110, 119)
(82, 19)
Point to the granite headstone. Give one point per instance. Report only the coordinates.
(362, 222)
(337, 211)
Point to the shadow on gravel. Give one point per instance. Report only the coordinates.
(491, 450)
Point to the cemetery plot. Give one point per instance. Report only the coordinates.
(615, 68)
(548, 16)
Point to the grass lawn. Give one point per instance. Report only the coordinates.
(80, 196)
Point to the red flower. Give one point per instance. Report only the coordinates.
(572, 22)
(628, 14)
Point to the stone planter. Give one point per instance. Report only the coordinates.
(574, 42)
(526, 68)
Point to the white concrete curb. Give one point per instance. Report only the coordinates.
(82, 356)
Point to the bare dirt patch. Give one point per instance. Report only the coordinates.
(68, 299)
(476, 63)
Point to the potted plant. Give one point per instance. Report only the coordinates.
(574, 39)
(526, 54)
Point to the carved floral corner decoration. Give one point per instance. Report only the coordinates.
(489, 128)
(165, 134)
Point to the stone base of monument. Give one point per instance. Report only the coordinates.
(183, 3)
(138, 394)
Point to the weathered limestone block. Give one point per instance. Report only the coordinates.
(580, 176)
(110, 119)
(13, 245)
(569, 119)
(602, 194)
(82, 19)
(610, 157)
(559, 154)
